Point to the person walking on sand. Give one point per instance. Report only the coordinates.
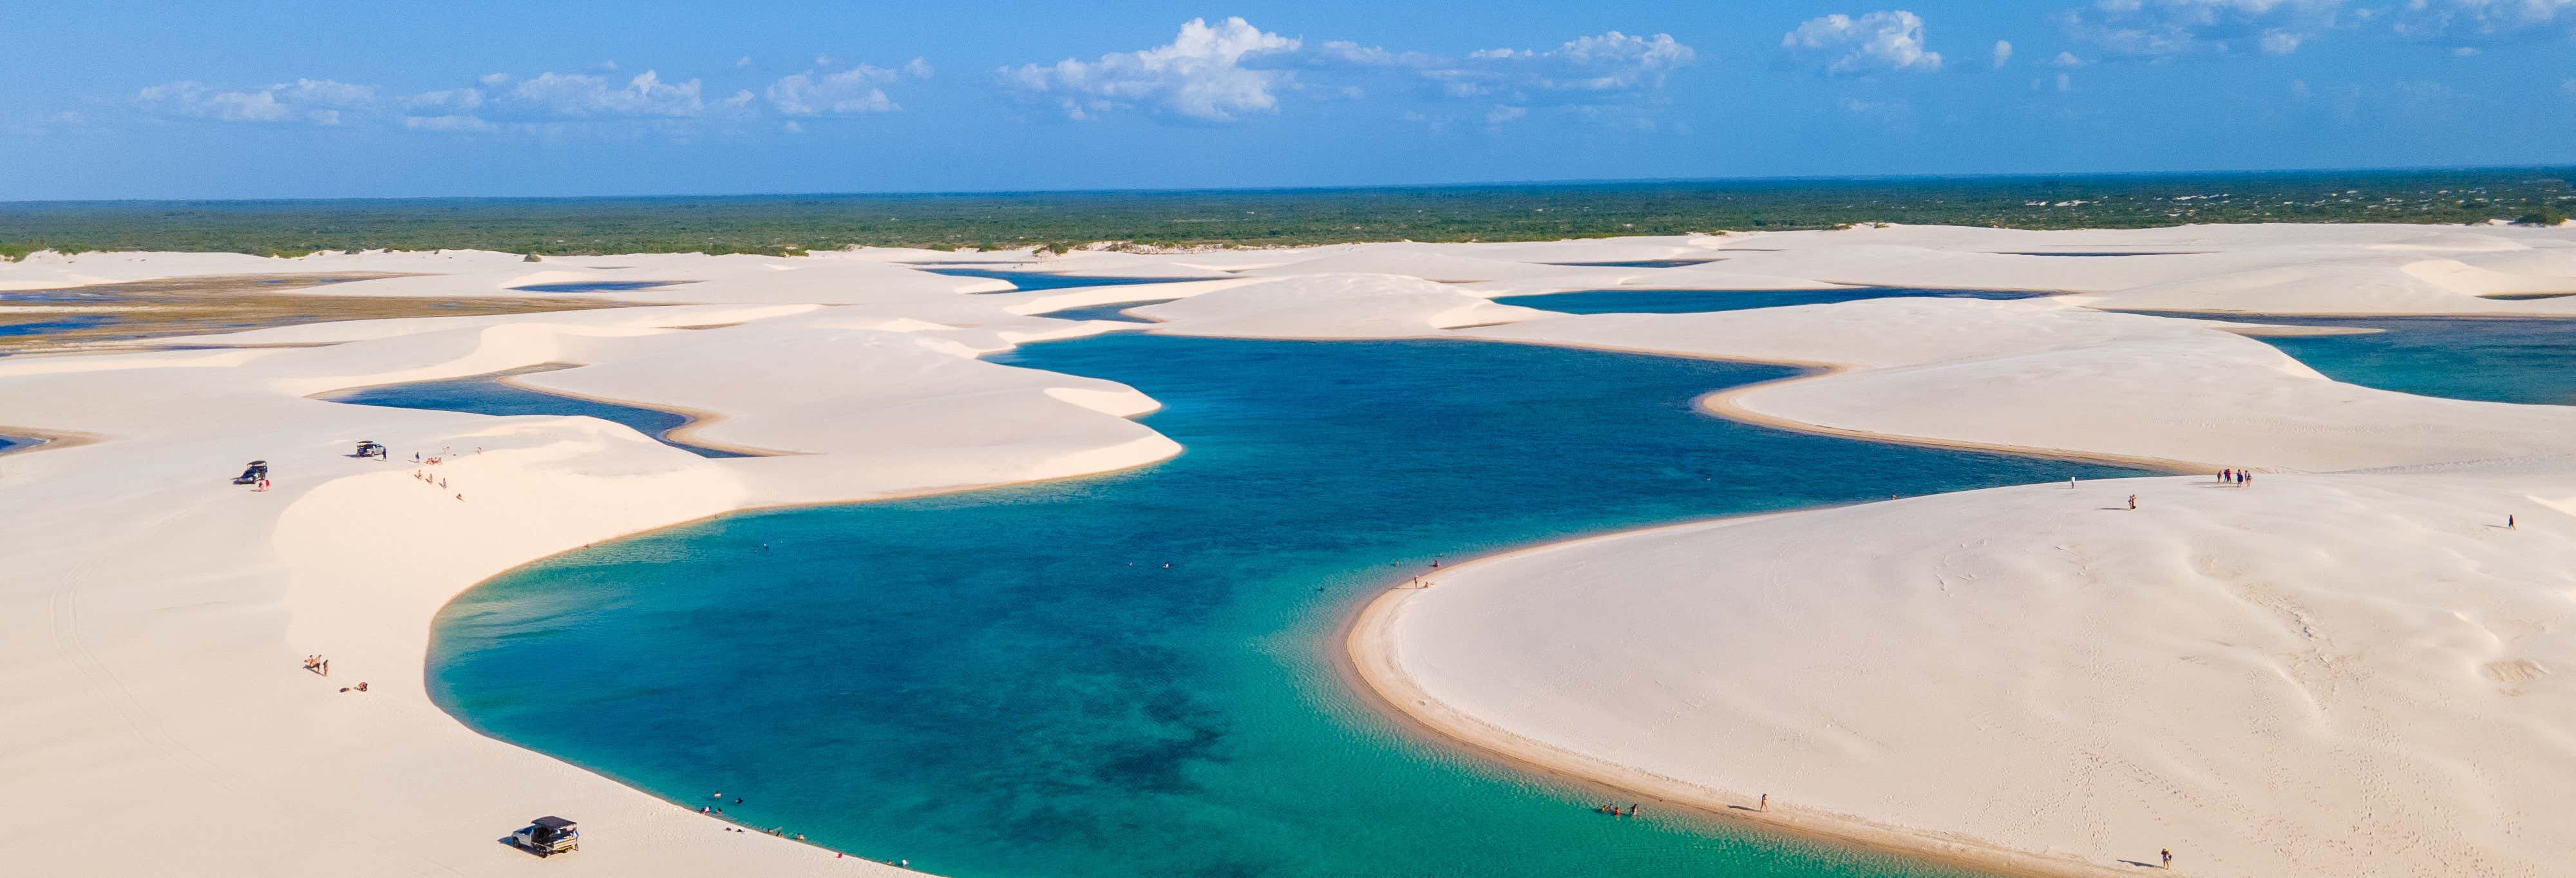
(1766, 802)
(2508, 523)
(2168, 858)
(2133, 502)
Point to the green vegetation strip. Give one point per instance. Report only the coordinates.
(794, 224)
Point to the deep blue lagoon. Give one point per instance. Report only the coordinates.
(1011, 682)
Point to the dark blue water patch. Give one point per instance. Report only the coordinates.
(491, 395)
(1636, 263)
(1112, 311)
(10, 443)
(1039, 280)
(595, 286)
(2489, 359)
(1136, 673)
(1704, 301)
(59, 324)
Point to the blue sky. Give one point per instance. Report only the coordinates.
(288, 99)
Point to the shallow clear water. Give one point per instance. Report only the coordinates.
(1012, 682)
(1702, 301)
(1039, 280)
(2096, 254)
(2494, 360)
(1638, 263)
(594, 286)
(1112, 311)
(489, 395)
(62, 295)
(10, 443)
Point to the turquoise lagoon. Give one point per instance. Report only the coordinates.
(1137, 673)
(1028, 281)
(2480, 358)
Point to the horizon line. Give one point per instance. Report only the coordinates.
(1364, 187)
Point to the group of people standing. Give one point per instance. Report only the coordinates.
(2235, 476)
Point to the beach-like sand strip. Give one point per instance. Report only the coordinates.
(1370, 647)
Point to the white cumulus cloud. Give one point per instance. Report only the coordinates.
(315, 101)
(847, 92)
(1609, 62)
(452, 122)
(1874, 42)
(1200, 75)
(549, 104)
(2161, 28)
(2481, 19)
(1612, 76)
(2003, 53)
(585, 96)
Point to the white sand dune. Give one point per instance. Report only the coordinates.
(2340, 673)
(2311, 675)
(2047, 377)
(1331, 306)
(159, 716)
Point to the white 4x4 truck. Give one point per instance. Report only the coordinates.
(548, 836)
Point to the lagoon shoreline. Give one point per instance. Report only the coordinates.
(1367, 657)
